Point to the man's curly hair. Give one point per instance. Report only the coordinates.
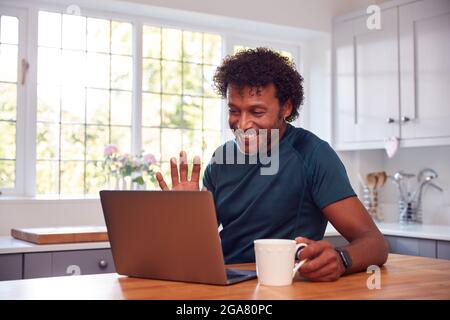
(258, 68)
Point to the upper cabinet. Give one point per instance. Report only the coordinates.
(394, 81)
(425, 69)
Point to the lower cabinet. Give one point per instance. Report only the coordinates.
(11, 266)
(408, 246)
(65, 263)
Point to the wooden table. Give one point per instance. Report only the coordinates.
(403, 277)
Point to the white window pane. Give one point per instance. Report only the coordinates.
(208, 84)
(121, 33)
(171, 111)
(7, 173)
(73, 32)
(73, 68)
(212, 48)
(98, 33)
(73, 104)
(8, 101)
(151, 109)
(47, 141)
(151, 75)
(192, 112)
(212, 114)
(98, 70)
(8, 62)
(96, 178)
(9, 28)
(151, 42)
(171, 77)
(72, 177)
(72, 142)
(97, 106)
(121, 102)
(121, 72)
(47, 173)
(192, 143)
(170, 143)
(192, 79)
(212, 140)
(121, 137)
(151, 141)
(8, 140)
(49, 29)
(49, 66)
(171, 44)
(192, 46)
(49, 101)
(97, 137)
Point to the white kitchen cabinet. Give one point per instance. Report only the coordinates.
(366, 82)
(394, 81)
(424, 28)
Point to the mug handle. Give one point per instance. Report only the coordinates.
(299, 264)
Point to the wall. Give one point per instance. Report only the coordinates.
(309, 14)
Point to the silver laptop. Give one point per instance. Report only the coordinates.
(167, 235)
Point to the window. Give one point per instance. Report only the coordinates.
(84, 100)
(179, 107)
(88, 86)
(9, 89)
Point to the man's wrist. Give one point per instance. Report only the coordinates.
(345, 259)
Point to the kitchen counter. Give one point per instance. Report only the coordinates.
(11, 245)
(402, 277)
(433, 232)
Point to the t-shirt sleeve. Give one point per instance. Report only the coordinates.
(208, 181)
(329, 179)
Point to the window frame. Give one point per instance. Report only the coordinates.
(28, 34)
(20, 156)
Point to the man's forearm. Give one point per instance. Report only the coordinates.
(369, 249)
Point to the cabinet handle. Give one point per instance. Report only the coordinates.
(405, 119)
(390, 120)
(103, 264)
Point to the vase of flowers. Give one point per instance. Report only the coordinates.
(130, 172)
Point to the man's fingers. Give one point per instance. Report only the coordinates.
(325, 270)
(195, 176)
(161, 182)
(303, 240)
(174, 172)
(312, 266)
(183, 167)
(314, 249)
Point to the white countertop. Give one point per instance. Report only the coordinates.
(436, 232)
(11, 245)
(423, 231)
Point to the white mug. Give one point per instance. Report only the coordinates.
(275, 261)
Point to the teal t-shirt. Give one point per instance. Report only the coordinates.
(285, 205)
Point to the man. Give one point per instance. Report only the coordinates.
(310, 187)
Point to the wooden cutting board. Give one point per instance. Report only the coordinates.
(61, 234)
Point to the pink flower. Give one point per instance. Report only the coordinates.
(149, 158)
(110, 149)
(136, 163)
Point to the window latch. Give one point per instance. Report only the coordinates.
(25, 67)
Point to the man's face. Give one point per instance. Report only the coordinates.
(252, 109)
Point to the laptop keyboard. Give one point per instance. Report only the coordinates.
(235, 273)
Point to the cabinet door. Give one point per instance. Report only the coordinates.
(37, 265)
(82, 262)
(443, 250)
(366, 87)
(412, 246)
(10, 266)
(425, 69)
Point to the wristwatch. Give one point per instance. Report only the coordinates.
(345, 257)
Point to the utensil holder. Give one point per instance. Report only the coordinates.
(410, 212)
